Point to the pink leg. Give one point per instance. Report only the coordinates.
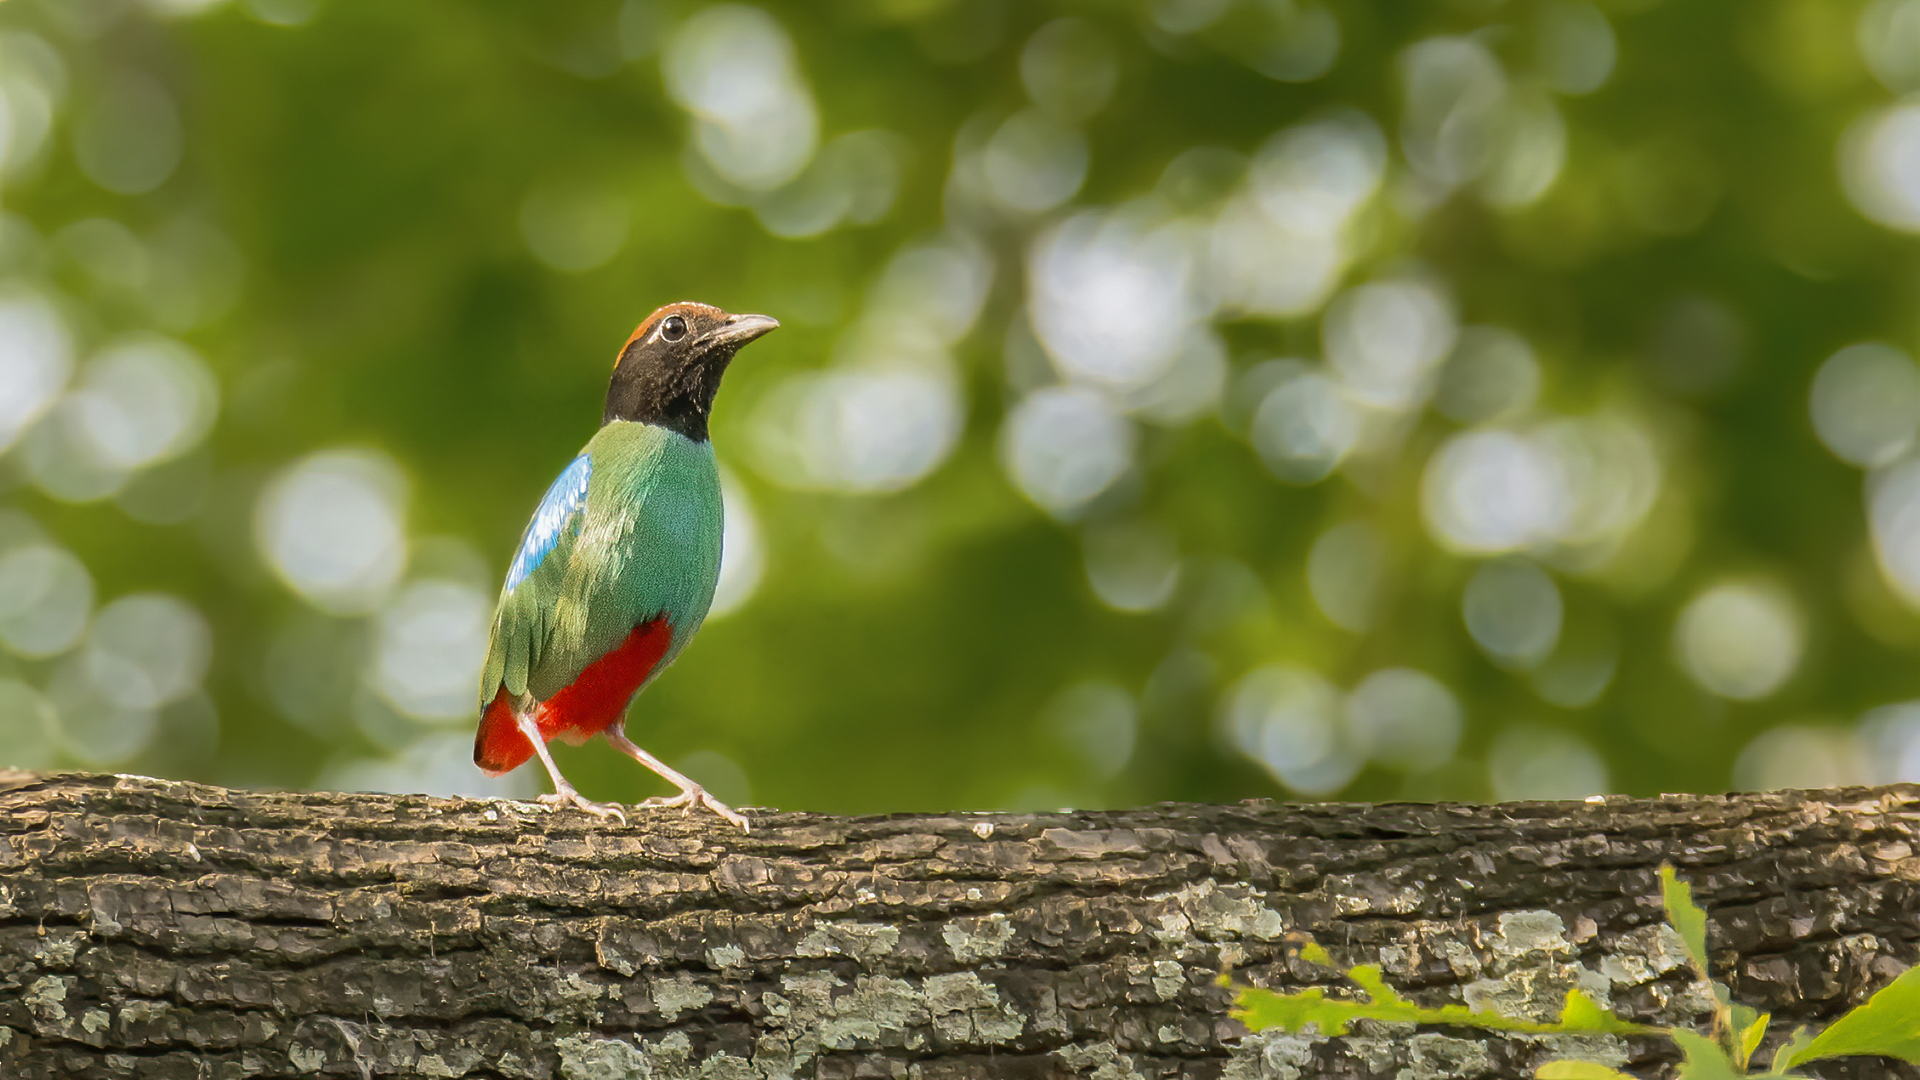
(691, 795)
(563, 793)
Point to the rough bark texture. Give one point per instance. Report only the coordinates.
(159, 929)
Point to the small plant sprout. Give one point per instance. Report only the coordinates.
(1886, 1025)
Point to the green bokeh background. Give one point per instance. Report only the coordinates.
(367, 164)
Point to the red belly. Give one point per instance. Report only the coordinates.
(590, 704)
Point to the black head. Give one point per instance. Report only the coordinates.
(670, 368)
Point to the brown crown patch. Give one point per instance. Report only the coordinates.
(686, 309)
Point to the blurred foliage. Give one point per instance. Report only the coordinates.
(1081, 543)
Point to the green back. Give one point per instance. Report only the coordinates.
(645, 542)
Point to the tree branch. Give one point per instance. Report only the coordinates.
(159, 929)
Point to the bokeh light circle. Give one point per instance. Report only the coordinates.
(143, 400)
(1384, 339)
(1306, 425)
(1034, 162)
(1880, 166)
(1799, 756)
(1492, 375)
(29, 727)
(332, 526)
(733, 67)
(1111, 298)
(36, 357)
(147, 650)
(1288, 719)
(1740, 639)
(1531, 762)
(1866, 403)
(430, 642)
(1493, 491)
(1346, 570)
(1513, 611)
(1063, 445)
(1405, 718)
(1069, 68)
(743, 550)
(46, 595)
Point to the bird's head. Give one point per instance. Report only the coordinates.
(669, 370)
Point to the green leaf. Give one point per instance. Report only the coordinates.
(1888, 1024)
(1582, 1013)
(1261, 1010)
(1685, 917)
(1704, 1059)
(1577, 1070)
(1791, 1050)
(1312, 953)
(1749, 1027)
(1371, 981)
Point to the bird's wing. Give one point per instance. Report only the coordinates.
(625, 534)
(522, 621)
(558, 511)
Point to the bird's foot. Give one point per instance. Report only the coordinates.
(695, 797)
(603, 811)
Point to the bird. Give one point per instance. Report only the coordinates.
(616, 570)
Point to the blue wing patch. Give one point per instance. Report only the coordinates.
(557, 508)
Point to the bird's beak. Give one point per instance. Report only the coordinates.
(740, 329)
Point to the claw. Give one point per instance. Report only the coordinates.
(695, 797)
(563, 793)
(692, 795)
(570, 797)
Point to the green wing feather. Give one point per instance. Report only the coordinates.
(644, 543)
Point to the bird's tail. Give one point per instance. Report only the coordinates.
(499, 747)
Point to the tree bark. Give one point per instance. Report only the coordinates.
(158, 929)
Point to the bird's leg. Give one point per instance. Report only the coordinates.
(563, 793)
(691, 795)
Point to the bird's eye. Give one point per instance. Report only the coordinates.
(674, 328)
